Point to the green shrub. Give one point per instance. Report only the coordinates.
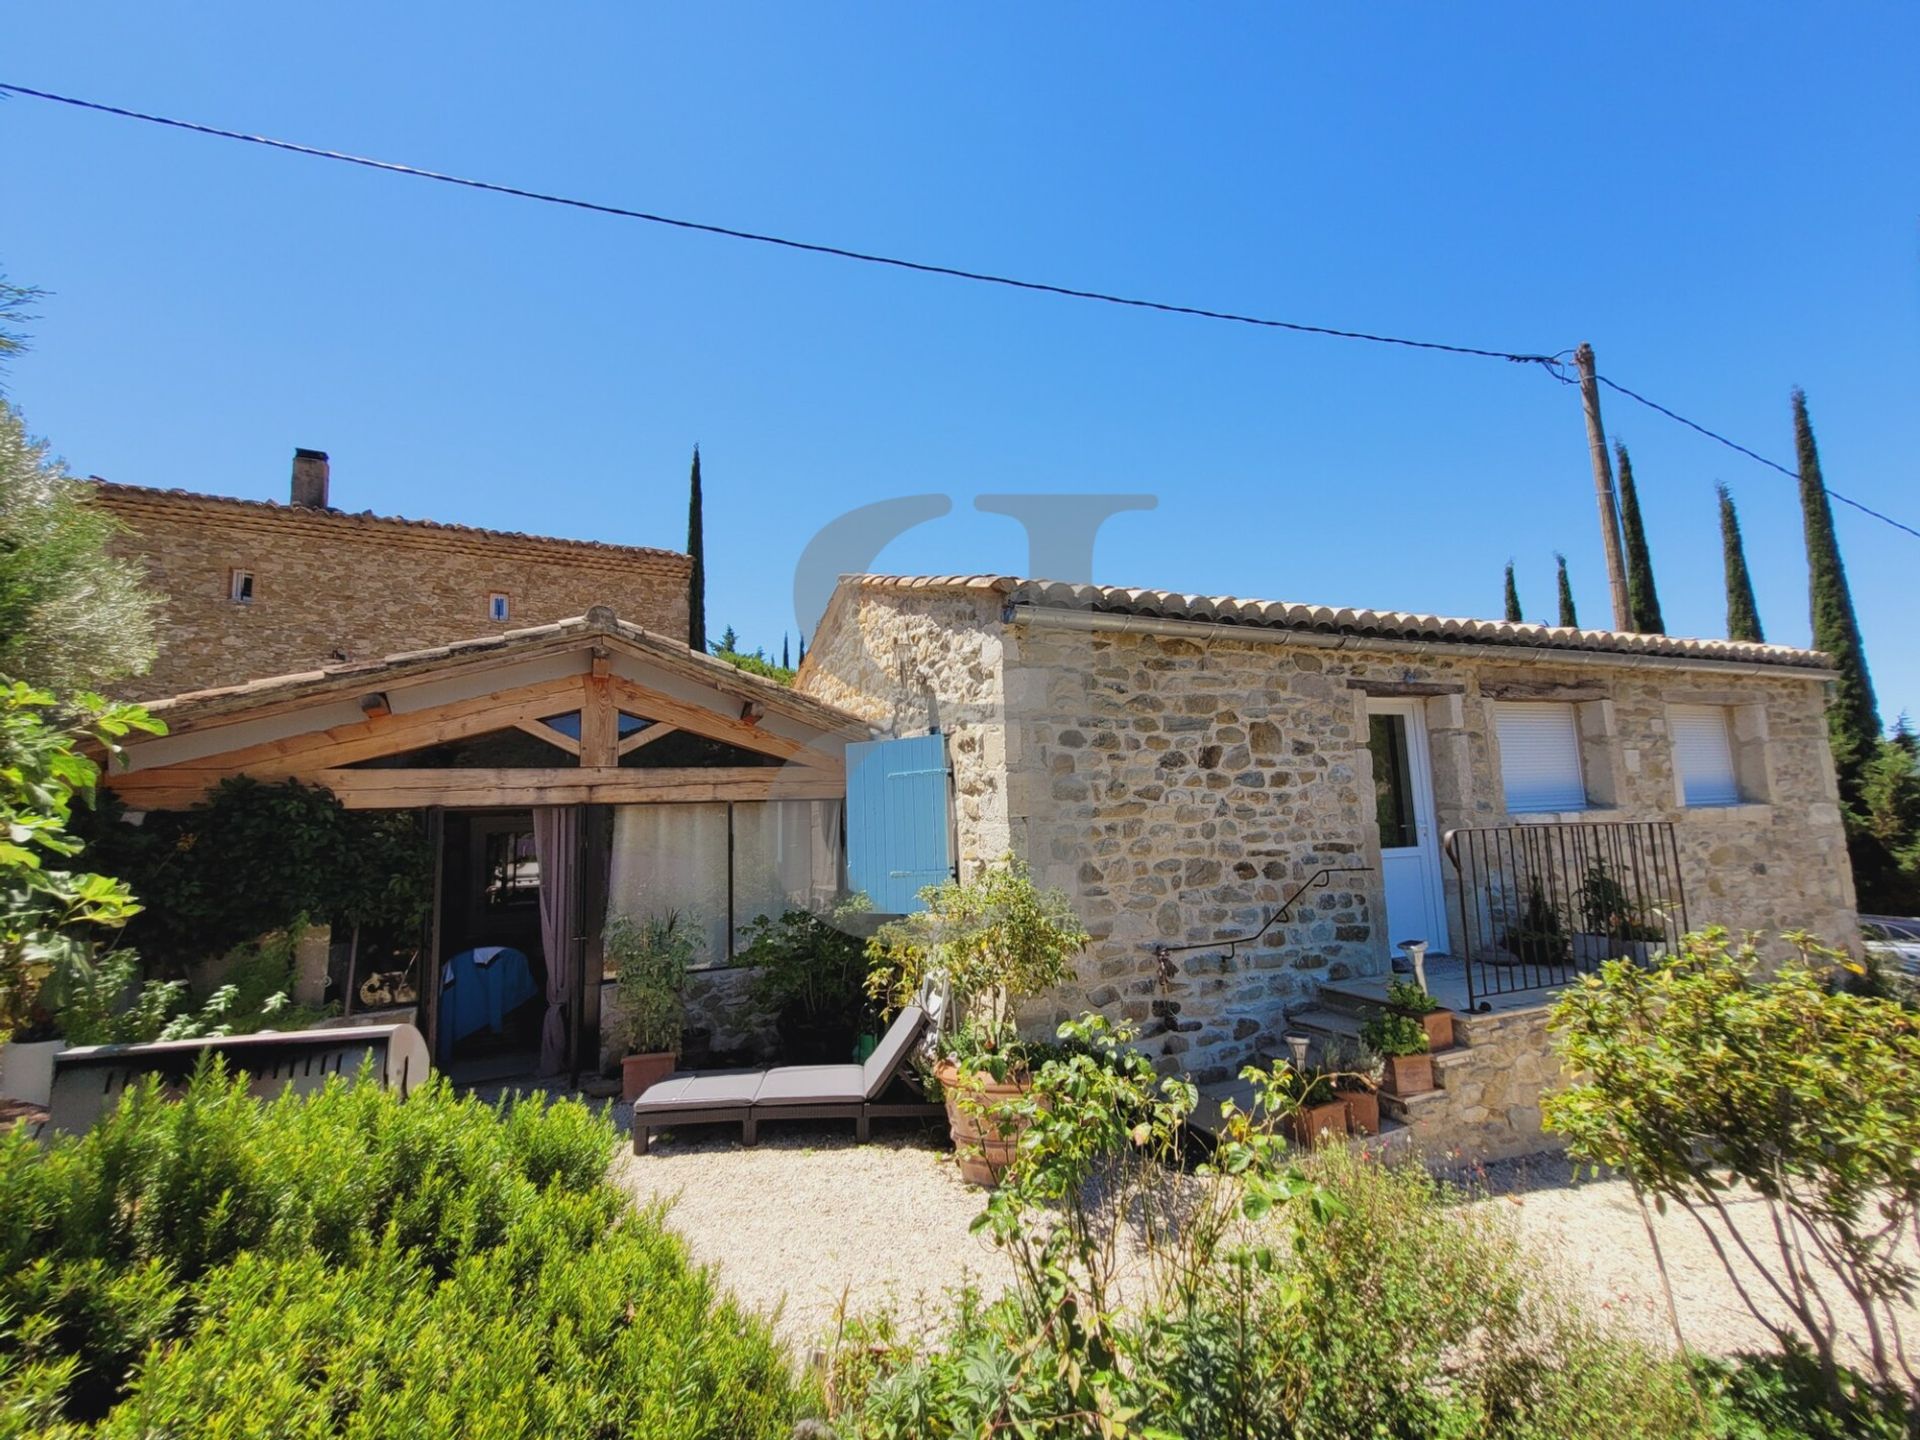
(1387, 1033)
(1707, 1074)
(1324, 1299)
(651, 958)
(1786, 1397)
(348, 1263)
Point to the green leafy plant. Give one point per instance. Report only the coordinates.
(651, 959)
(351, 1263)
(51, 917)
(1268, 1295)
(996, 940)
(256, 855)
(110, 1006)
(1709, 1075)
(1538, 936)
(1387, 1033)
(810, 972)
(1608, 908)
(1314, 1085)
(1406, 995)
(73, 615)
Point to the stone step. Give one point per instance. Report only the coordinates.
(1407, 1109)
(1351, 998)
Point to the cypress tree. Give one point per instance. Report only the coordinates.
(1853, 719)
(697, 549)
(1513, 598)
(1643, 602)
(803, 649)
(1743, 616)
(786, 654)
(1568, 617)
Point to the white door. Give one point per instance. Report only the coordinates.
(1409, 844)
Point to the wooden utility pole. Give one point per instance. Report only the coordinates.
(1603, 488)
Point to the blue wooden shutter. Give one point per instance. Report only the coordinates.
(899, 837)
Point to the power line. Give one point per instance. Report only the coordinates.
(1615, 385)
(811, 247)
(1552, 364)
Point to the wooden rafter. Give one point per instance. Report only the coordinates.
(647, 736)
(542, 731)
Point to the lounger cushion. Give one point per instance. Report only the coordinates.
(700, 1092)
(810, 1085)
(891, 1052)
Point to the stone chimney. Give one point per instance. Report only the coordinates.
(310, 479)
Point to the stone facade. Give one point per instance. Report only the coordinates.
(1487, 1104)
(330, 586)
(1179, 783)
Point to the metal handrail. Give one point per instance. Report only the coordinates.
(1163, 953)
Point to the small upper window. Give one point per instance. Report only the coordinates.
(1703, 754)
(240, 587)
(497, 607)
(1540, 756)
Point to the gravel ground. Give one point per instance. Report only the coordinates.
(807, 1217)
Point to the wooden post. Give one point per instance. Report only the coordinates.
(1603, 489)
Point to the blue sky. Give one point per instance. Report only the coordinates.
(1722, 199)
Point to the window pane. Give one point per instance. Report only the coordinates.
(1703, 754)
(786, 855)
(674, 858)
(1392, 782)
(1540, 756)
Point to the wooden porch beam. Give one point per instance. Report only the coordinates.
(408, 789)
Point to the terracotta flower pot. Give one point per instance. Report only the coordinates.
(1439, 1027)
(1437, 1023)
(637, 1072)
(983, 1149)
(1314, 1124)
(1409, 1074)
(1363, 1111)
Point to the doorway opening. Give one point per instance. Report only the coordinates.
(492, 967)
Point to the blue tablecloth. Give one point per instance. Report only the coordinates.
(479, 989)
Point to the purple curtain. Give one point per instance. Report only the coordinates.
(556, 846)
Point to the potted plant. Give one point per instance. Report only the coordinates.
(1317, 1107)
(810, 974)
(1406, 998)
(1356, 1080)
(993, 942)
(651, 959)
(1537, 936)
(1614, 924)
(1401, 1041)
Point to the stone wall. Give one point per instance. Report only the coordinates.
(330, 585)
(926, 660)
(1487, 1106)
(1180, 788)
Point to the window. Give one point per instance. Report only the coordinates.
(497, 606)
(240, 586)
(1540, 755)
(719, 865)
(1392, 782)
(1703, 754)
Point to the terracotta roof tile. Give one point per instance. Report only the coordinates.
(151, 494)
(1324, 619)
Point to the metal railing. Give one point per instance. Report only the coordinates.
(1540, 904)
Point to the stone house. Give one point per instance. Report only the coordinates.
(1183, 766)
(254, 588)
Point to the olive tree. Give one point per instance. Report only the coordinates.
(1707, 1074)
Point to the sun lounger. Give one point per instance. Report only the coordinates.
(791, 1092)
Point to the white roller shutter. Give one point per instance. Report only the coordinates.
(1703, 754)
(1540, 755)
